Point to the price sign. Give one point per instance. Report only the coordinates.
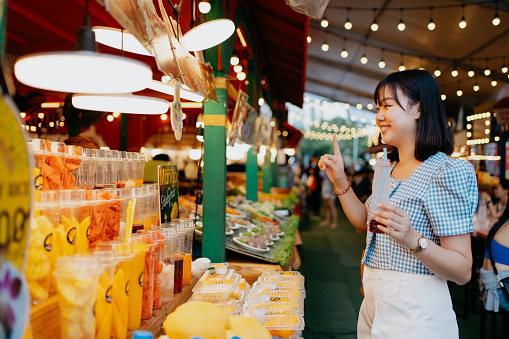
(169, 194)
(15, 190)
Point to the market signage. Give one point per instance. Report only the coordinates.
(168, 193)
(239, 114)
(15, 192)
(161, 37)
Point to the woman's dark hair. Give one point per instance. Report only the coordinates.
(433, 132)
(504, 184)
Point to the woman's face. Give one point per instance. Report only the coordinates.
(500, 192)
(398, 125)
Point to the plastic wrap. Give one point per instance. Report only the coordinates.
(312, 8)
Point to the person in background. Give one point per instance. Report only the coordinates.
(501, 194)
(421, 237)
(364, 186)
(492, 295)
(315, 196)
(82, 141)
(151, 172)
(329, 202)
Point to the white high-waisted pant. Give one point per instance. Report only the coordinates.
(403, 305)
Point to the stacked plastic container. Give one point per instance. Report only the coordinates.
(223, 287)
(276, 301)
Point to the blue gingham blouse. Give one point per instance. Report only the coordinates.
(440, 197)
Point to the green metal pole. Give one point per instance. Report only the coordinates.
(251, 176)
(214, 173)
(267, 176)
(274, 173)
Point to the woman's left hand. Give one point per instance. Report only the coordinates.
(399, 222)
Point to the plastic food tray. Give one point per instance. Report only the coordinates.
(210, 281)
(257, 307)
(275, 291)
(218, 296)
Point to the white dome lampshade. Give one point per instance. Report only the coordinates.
(208, 34)
(125, 103)
(82, 72)
(122, 40)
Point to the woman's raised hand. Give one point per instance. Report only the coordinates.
(334, 166)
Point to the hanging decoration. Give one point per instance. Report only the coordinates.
(177, 116)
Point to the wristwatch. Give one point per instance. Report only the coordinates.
(422, 244)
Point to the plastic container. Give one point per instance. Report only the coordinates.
(104, 304)
(157, 240)
(72, 163)
(140, 162)
(120, 292)
(170, 238)
(139, 248)
(153, 193)
(211, 281)
(77, 280)
(46, 214)
(381, 190)
(140, 334)
(101, 175)
(220, 268)
(282, 326)
(130, 160)
(178, 231)
(37, 148)
(258, 307)
(55, 169)
(218, 296)
(140, 219)
(85, 176)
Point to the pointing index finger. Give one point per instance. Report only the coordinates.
(337, 151)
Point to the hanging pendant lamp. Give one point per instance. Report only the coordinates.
(170, 90)
(208, 34)
(119, 39)
(125, 103)
(83, 70)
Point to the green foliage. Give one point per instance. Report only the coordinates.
(282, 250)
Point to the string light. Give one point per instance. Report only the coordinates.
(344, 52)
(369, 106)
(401, 67)
(324, 23)
(241, 76)
(237, 68)
(504, 67)
(110, 118)
(493, 82)
(22, 115)
(381, 63)
(487, 70)
(164, 117)
(401, 25)
(459, 92)
(496, 19)
(437, 70)
(463, 23)
(454, 72)
(234, 60)
(471, 72)
(476, 86)
(443, 96)
(358, 106)
(308, 39)
(116, 114)
(374, 25)
(431, 24)
(40, 115)
(348, 23)
(364, 58)
(204, 6)
(325, 46)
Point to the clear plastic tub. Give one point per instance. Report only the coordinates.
(140, 210)
(54, 169)
(278, 292)
(157, 240)
(72, 163)
(211, 281)
(220, 268)
(282, 326)
(37, 148)
(218, 296)
(259, 307)
(85, 176)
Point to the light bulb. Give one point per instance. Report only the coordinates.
(165, 78)
(381, 64)
(116, 114)
(234, 60)
(110, 118)
(308, 39)
(459, 92)
(370, 106)
(237, 68)
(51, 124)
(487, 71)
(496, 20)
(443, 96)
(324, 23)
(348, 24)
(437, 72)
(493, 82)
(347, 105)
(454, 73)
(431, 25)
(40, 115)
(401, 26)
(364, 60)
(462, 23)
(476, 87)
(241, 76)
(204, 7)
(374, 26)
(261, 101)
(469, 134)
(344, 53)
(358, 106)
(164, 117)
(23, 115)
(471, 73)
(504, 69)
(325, 47)
(401, 68)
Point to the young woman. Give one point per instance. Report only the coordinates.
(502, 195)
(493, 296)
(425, 238)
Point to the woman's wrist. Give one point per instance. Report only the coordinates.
(340, 187)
